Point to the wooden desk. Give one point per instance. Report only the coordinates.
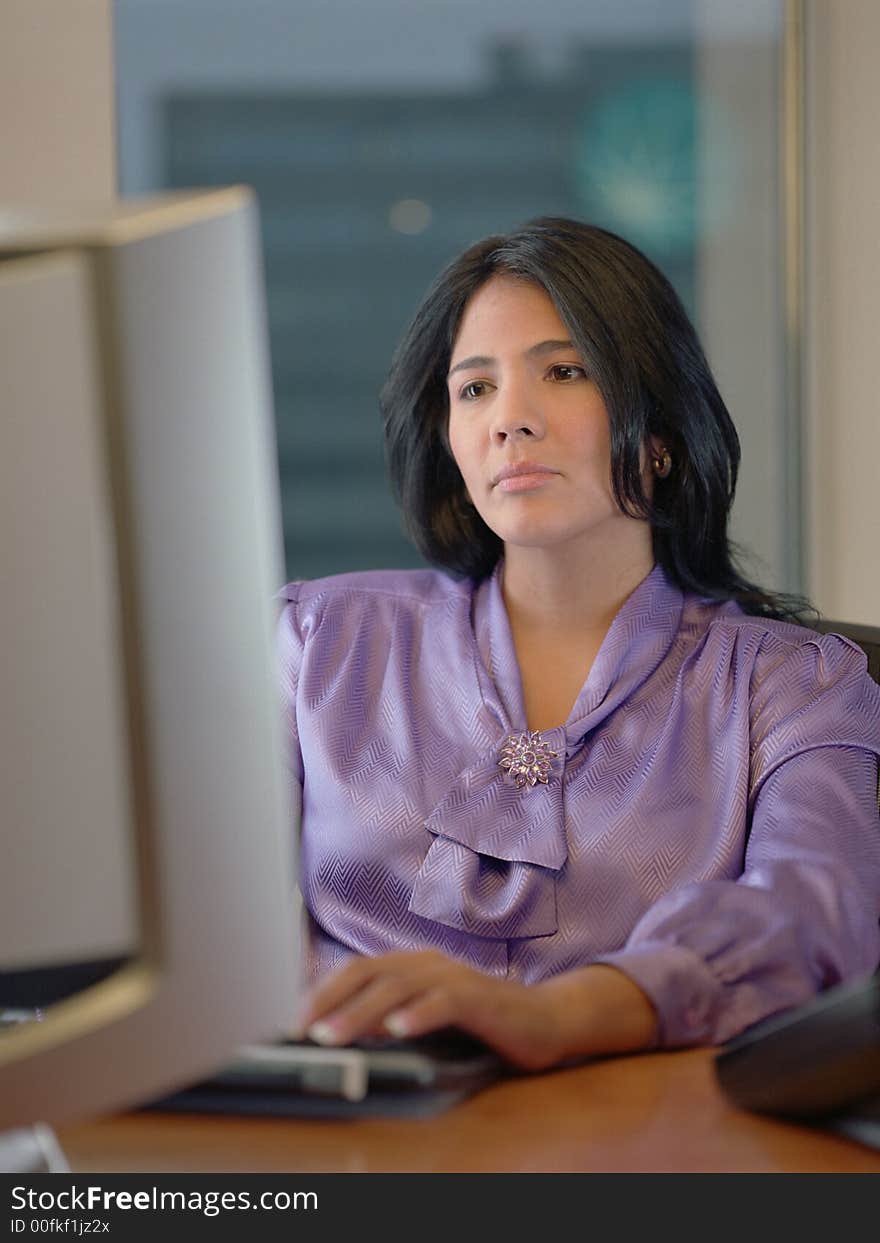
(659, 1112)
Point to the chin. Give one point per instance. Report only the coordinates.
(529, 537)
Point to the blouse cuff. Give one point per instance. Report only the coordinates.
(684, 992)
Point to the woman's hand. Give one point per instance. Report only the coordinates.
(583, 1012)
(410, 994)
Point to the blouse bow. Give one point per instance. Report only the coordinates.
(491, 867)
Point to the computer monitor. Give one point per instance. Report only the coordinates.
(148, 914)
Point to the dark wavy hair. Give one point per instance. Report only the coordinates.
(644, 355)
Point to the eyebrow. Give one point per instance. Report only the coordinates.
(483, 360)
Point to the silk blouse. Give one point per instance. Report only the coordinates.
(709, 825)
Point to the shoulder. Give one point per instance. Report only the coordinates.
(338, 627)
(372, 594)
(767, 645)
(801, 686)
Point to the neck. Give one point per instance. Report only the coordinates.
(566, 590)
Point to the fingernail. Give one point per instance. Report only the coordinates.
(397, 1024)
(323, 1033)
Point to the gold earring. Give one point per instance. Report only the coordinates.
(661, 463)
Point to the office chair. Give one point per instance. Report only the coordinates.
(867, 637)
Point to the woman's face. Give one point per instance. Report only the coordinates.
(528, 427)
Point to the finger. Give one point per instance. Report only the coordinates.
(427, 1013)
(343, 984)
(454, 1003)
(337, 988)
(365, 1012)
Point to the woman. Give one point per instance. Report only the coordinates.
(583, 789)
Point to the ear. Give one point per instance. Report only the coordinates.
(659, 457)
(651, 448)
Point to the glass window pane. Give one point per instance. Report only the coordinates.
(382, 138)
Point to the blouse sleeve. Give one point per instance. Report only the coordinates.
(717, 956)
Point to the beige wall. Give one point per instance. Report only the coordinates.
(57, 125)
(842, 414)
(738, 296)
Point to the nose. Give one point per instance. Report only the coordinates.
(515, 417)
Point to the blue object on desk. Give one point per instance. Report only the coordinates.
(404, 1078)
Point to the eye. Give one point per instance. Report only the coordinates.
(564, 373)
(473, 390)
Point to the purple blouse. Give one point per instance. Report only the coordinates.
(709, 825)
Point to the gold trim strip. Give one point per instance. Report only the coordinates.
(110, 1001)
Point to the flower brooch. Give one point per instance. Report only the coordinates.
(527, 759)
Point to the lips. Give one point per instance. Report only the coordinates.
(523, 471)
